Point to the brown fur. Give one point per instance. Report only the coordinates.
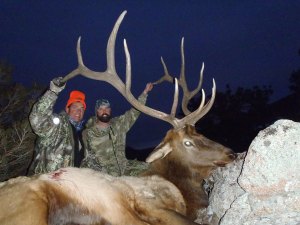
(170, 193)
(186, 168)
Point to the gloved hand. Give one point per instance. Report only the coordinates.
(56, 85)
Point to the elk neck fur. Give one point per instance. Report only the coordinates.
(187, 166)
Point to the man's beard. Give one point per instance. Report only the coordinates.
(105, 118)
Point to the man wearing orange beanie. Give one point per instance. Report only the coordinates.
(59, 142)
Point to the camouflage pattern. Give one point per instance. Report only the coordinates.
(55, 143)
(105, 148)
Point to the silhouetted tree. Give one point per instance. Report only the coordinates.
(16, 136)
(288, 107)
(295, 81)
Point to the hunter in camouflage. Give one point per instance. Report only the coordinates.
(105, 140)
(59, 142)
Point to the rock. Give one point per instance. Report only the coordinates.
(262, 187)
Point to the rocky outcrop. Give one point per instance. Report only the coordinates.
(262, 187)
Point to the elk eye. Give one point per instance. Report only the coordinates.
(188, 143)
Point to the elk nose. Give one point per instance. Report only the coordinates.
(232, 156)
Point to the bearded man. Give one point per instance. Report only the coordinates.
(105, 139)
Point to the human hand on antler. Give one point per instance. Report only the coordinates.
(57, 85)
(148, 88)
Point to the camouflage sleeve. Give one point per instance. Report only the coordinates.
(85, 142)
(130, 116)
(41, 115)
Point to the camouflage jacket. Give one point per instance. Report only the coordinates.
(55, 145)
(105, 148)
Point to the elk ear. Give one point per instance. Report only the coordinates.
(159, 153)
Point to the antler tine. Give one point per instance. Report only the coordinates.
(109, 75)
(187, 95)
(81, 65)
(169, 78)
(166, 76)
(196, 115)
(175, 101)
(143, 108)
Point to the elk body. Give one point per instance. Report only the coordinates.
(170, 192)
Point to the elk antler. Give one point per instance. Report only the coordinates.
(187, 95)
(110, 76)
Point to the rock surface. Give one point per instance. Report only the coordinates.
(262, 187)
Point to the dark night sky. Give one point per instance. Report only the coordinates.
(243, 43)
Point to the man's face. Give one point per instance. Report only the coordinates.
(104, 114)
(76, 111)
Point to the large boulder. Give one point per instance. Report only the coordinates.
(262, 186)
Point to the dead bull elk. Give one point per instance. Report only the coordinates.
(170, 192)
